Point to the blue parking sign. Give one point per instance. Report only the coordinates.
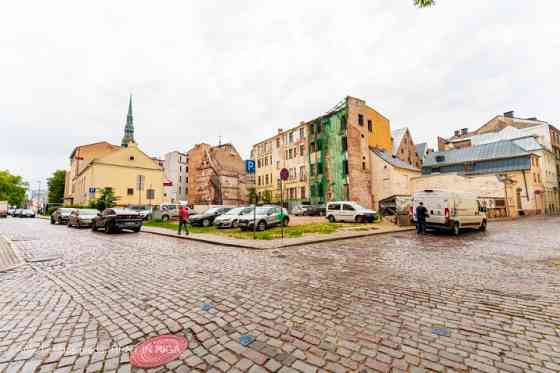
(92, 190)
(250, 166)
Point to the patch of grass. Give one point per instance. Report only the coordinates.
(270, 234)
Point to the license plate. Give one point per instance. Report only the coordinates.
(129, 224)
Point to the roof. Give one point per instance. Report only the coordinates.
(519, 123)
(394, 161)
(421, 149)
(529, 143)
(85, 146)
(495, 150)
(397, 136)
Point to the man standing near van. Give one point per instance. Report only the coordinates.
(421, 215)
(183, 218)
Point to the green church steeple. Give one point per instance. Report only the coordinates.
(129, 128)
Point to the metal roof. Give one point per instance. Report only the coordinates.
(495, 150)
(393, 161)
(421, 149)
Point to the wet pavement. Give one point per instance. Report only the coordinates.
(486, 302)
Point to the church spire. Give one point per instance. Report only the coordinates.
(129, 128)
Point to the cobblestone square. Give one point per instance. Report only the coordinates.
(480, 302)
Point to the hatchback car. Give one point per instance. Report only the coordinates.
(231, 218)
(265, 217)
(61, 215)
(82, 217)
(299, 210)
(113, 220)
(27, 213)
(207, 217)
(144, 211)
(350, 212)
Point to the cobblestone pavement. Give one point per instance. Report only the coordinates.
(8, 256)
(84, 299)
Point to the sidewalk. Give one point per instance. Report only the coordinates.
(382, 228)
(9, 259)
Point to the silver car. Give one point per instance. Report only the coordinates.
(266, 217)
(231, 218)
(82, 217)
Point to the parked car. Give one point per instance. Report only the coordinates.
(165, 212)
(61, 215)
(12, 212)
(349, 211)
(315, 210)
(82, 217)
(299, 210)
(450, 211)
(266, 217)
(113, 220)
(207, 217)
(144, 211)
(231, 218)
(17, 212)
(27, 213)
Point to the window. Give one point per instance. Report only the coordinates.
(286, 155)
(302, 133)
(302, 196)
(301, 150)
(150, 194)
(318, 127)
(259, 179)
(369, 125)
(360, 119)
(343, 123)
(130, 192)
(291, 137)
(312, 170)
(302, 173)
(345, 167)
(346, 207)
(131, 158)
(311, 128)
(319, 168)
(344, 144)
(334, 206)
(266, 179)
(277, 165)
(278, 142)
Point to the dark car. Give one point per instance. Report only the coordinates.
(114, 220)
(207, 218)
(315, 210)
(82, 217)
(61, 215)
(27, 213)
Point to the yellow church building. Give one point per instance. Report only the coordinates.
(134, 177)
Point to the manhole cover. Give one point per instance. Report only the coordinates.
(158, 351)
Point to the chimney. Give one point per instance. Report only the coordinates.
(464, 131)
(509, 114)
(280, 130)
(457, 132)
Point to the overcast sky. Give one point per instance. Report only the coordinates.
(242, 69)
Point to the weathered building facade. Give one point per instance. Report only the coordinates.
(216, 176)
(404, 147)
(327, 157)
(175, 177)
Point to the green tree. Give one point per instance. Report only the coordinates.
(424, 3)
(267, 197)
(252, 195)
(56, 186)
(12, 188)
(106, 200)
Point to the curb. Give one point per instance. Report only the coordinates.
(287, 245)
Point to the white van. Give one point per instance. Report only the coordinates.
(450, 211)
(350, 212)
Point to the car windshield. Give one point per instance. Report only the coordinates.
(264, 210)
(236, 211)
(88, 212)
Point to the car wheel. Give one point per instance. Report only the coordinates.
(206, 223)
(108, 228)
(69, 224)
(456, 229)
(165, 218)
(331, 219)
(235, 224)
(52, 221)
(136, 230)
(483, 226)
(261, 226)
(93, 227)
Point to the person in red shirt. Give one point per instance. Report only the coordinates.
(183, 218)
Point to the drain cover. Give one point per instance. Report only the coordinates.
(158, 351)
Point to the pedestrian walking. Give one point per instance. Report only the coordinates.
(421, 215)
(183, 219)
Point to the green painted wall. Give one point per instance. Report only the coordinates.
(330, 155)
